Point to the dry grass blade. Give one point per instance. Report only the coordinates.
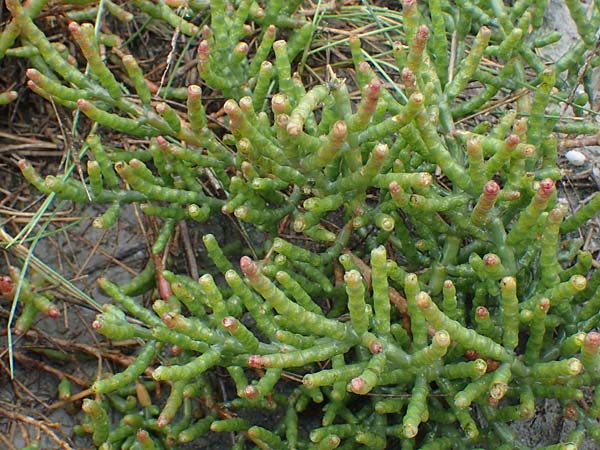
(64, 285)
(17, 216)
(7, 410)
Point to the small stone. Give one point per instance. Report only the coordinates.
(575, 157)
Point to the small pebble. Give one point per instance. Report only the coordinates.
(575, 157)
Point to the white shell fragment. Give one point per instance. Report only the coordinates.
(575, 157)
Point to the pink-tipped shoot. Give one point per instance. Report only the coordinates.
(203, 49)
(592, 342)
(512, 141)
(422, 35)
(53, 311)
(230, 323)
(373, 89)
(248, 266)
(408, 77)
(84, 105)
(256, 361)
(482, 313)
(491, 260)
(7, 286)
(364, 67)
(162, 142)
(250, 392)
(491, 189)
(359, 386)
(97, 324)
(547, 187)
(74, 27)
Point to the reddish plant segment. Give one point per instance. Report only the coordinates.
(6, 286)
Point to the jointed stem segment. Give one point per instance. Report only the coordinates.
(356, 200)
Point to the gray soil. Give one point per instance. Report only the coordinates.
(34, 388)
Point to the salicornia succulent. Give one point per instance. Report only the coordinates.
(434, 303)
